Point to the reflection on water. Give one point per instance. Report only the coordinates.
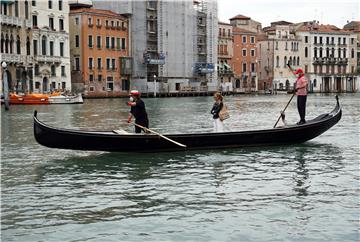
(305, 192)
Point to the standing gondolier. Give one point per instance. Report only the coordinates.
(301, 92)
(138, 111)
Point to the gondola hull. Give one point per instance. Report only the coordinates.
(114, 142)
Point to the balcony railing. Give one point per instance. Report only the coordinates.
(50, 59)
(11, 20)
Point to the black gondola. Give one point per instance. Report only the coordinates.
(114, 142)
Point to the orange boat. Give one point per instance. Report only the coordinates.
(29, 99)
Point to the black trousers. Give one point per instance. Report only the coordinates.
(301, 105)
(144, 123)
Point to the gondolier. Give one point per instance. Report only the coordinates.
(138, 111)
(301, 92)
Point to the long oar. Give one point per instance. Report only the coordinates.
(284, 109)
(162, 136)
(288, 64)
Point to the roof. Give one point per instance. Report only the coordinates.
(281, 22)
(321, 28)
(95, 11)
(223, 23)
(239, 16)
(353, 25)
(237, 30)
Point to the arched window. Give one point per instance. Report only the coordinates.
(26, 9)
(18, 47)
(339, 53)
(298, 61)
(43, 45)
(320, 52)
(27, 46)
(352, 53)
(344, 50)
(306, 51)
(327, 52)
(11, 45)
(277, 61)
(290, 60)
(315, 52)
(294, 61)
(333, 52)
(6, 44)
(285, 61)
(2, 43)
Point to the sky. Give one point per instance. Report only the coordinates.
(266, 11)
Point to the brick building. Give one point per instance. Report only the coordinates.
(99, 46)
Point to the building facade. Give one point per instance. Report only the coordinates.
(225, 55)
(329, 57)
(174, 44)
(15, 44)
(100, 61)
(245, 60)
(50, 46)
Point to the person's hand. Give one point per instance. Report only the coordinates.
(129, 119)
(129, 103)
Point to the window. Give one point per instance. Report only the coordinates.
(244, 39)
(35, 46)
(28, 46)
(53, 70)
(252, 52)
(77, 64)
(98, 42)
(277, 61)
(321, 40)
(112, 43)
(50, 4)
(61, 24)
(123, 43)
(306, 39)
(63, 71)
(51, 23)
(61, 49)
(107, 42)
(37, 72)
(77, 21)
(33, 3)
(285, 61)
(99, 78)
(16, 8)
(60, 5)
(91, 89)
(91, 77)
(109, 83)
(34, 21)
(43, 45)
(315, 40)
(276, 45)
(306, 51)
(77, 41)
(243, 52)
(244, 67)
(90, 41)
(99, 63)
(51, 48)
(113, 64)
(125, 86)
(90, 63)
(90, 21)
(344, 41)
(108, 63)
(253, 67)
(98, 22)
(252, 40)
(352, 53)
(118, 43)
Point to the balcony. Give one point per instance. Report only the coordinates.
(11, 20)
(12, 58)
(48, 59)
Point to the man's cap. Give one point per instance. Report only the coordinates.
(299, 71)
(134, 93)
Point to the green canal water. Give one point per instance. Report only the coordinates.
(304, 192)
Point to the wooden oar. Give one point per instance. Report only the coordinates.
(288, 64)
(284, 109)
(162, 136)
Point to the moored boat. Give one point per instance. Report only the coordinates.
(114, 141)
(63, 99)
